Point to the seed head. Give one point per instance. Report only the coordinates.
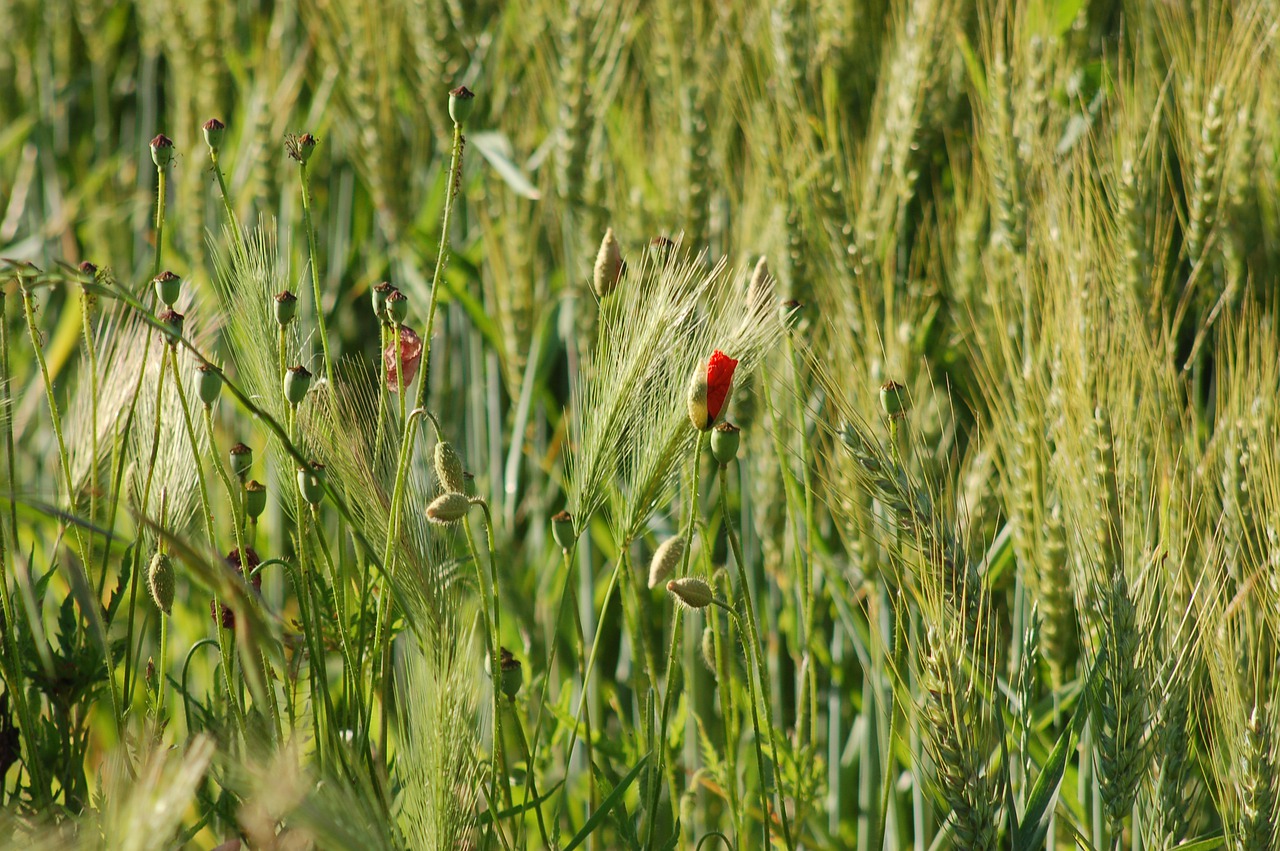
(608, 269)
(724, 443)
(286, 307)
(162, 151)
(380, 295)
(691, 592)
(168, 287)
(90, 269)
(311, 482)
(448, 508)
(297, 381)
(172, 321)
(512, 673)
(665, 560)
(160, 581)
(241, 460)
(461, 100)
(255, 499)
(893, 400)
(214, 131)
(562, 530)
(449, 468)
(301, 147)
(397, 307)
(209, 383)
(709, 390)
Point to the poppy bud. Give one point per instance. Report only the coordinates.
(724, 443)
(448, 508)
(709, 648)
(160, 581)
(168, 287)
(691, 592)
(209, 384)
(449, 468)
(562, 530)
(162, 151)
(760, 290)
(297, 381)
(241, 460)
(893, 399)
(255, 499)
(380, 294)
(665, 560)
(173, 321)
(214, 130)
(311, 482)
(286, 307)
(460, 103)
(709, 390)
(608, 269)
(397, 307)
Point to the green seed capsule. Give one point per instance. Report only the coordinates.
(311, 482)
(893, 399)
(512, 674)
(448, 508)
(297, 381)
(168, 287)
(449, 468)
(209, 383)
(162, 151)
(562, 530)
(241, 460)
(461, 100)
(160, 582)
(214, 131)
(301, 147)
(380, 294)
(173, 321)
(255, 499)
(286, 307)
(397, 307)
(724, 443)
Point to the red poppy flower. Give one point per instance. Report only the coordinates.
(709, 390)
(410, 356)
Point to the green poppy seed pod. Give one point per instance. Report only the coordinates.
(297, 381)
(168, 287)
(724, 443)
(397, 307)
(311, 482)
(214, 132)
(449, 468)
(173, 321)
(255, 499)
(709, 648)
(666, 558)
(691, 592)
(893, 399)
(162, 151)
(241, 460)
(461, 100)
(448, 508)
(512, 674)
(608, 268)
(286, 307)
(380, 294)
(562, 530)
(160, 581)
(209, 383)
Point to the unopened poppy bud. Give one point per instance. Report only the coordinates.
(893, 399)
(160, 581)
(168, 287)
(608, 269)
(255, 499)
(209, 383)
(449, 468)
(286, 307)
(173, 321)
(461, 100)
(724, 443)
(297, 381)
(214, 131)
(241, 460)
(301, 147)
(760, 290)
(397, 307)
(562, 530)
(448, 508)
(666, 558)
(311, 482)
(512, 674)
(380, 295)
(162, 151)
(691, 592)
(709, 648)
(709, 390)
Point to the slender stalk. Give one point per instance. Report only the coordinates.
(495, 622)
(86, 324)
(305, 179)
(592, 800)
(809, 688)
(232, 222)
(528, 758)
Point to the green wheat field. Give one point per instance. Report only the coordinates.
(640, 424)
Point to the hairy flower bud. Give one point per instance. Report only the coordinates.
(448, 508)
(708, 648)
(160, 581)
(666, 558)
(760, 292)
(608, 268)
(691, 592)
(449, 468)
